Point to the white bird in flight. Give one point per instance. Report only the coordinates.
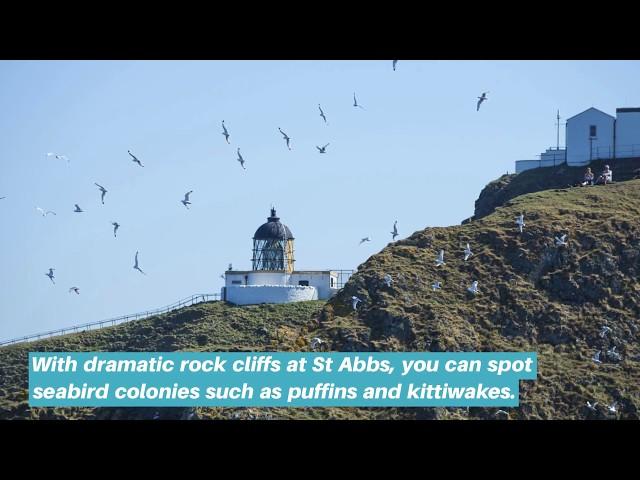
(440, 259)
(240, 159)
(520, 222)
(78, 209)
(286, 138)
(51, 275)
(59, 157)
(355, 102)
(436, 286)
(322, 114)
(467, 253)
(135, 159)
(116, 226)
(395, 229)
(613, 354)
(75, 289)
(613, 407)
(186, 201)
(354, 302)
(136, 266)
(365, 239)
(388, 280)
(316, 342)
(596, 357)
(322, 149)
(605, 329)
(562, 241)
(43, 213)
(103, 190)
(481, 99)
(592, 407)
(225, 132)
(473, 288)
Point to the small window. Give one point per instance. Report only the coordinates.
(592, 131)
(331, 282)
(304, 283)
(236, 282)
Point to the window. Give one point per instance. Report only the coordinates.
(304, 283)
(236, 282)
(592, 131)
(331, 282)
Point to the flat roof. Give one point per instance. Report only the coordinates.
(627, 110)
(278, 271)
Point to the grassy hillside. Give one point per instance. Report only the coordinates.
(506, 187)
(533, 296)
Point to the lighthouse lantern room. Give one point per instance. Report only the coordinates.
(273, 278)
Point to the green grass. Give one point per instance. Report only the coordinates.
(533, 297)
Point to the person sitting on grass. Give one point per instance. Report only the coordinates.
(588, 177)
(605, 177)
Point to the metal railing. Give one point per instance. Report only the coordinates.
(343, 277)
(185, 302)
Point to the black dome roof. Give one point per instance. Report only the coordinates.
(273, 229)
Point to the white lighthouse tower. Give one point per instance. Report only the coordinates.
(273, 278)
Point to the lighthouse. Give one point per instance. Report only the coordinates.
(273, 277)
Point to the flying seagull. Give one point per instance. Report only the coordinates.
(613, 407)
(43, 213)
(481, 99)
(322, 114)
(135, 159)
(395, 229)
(596, 357)
(354, 302)
(604, 331)
(116, 226)
(74, 289)
(520, 222)
(467, 253)
(613, 354)
(436, 286)
(440, 259)
(286, 138)
(355, 102)
(186, 201)
(50, 275)
(316, 342)
(388, 280)
(592, 407)
(322, 149)
(78, 209)
(562, 241)
(365, 239)
(394, 65)
(240, 159)
(59, 157)
(103, 190)
(136, 267)
(473, 288)
(225, 132)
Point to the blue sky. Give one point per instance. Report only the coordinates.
(418, 153)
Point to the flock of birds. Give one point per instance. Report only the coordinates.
(560, 241)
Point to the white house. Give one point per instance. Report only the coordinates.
(593, 135)
(273, 278)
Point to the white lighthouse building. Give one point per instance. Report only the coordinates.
(273, 278)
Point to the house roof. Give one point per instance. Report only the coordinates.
(627, 110)
(592, 108)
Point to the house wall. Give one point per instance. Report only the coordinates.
(627, 134)
(577, 141)
(257, 294)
